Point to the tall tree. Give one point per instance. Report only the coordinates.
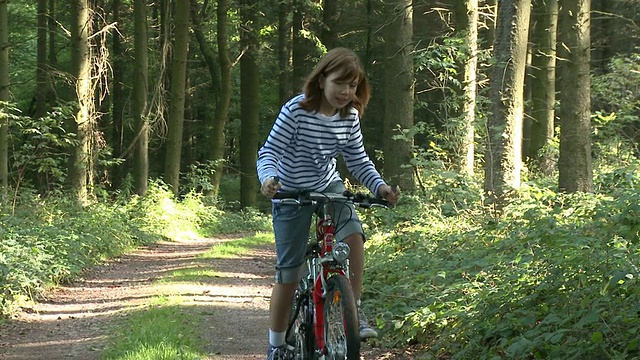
(118, 90)
(41, 68)
(298, 56)
(249, 104)
(220, 72)
(575, 163)
(177, 93)
(503, 161)
(52, 58)
(284, 51)
(80, 171)
(4, 98)
(140, 97)
(330, 16)
(399, 88)
(543, 71)
(491, 9)
(467, 15)
(224, 98)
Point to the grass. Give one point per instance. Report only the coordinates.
(235, 248)
(162, 331)
(192, 275)
(167, 329)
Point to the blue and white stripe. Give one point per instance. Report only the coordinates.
(302, 147)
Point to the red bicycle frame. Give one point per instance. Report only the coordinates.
(325, 233)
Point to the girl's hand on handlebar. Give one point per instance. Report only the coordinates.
(389, 193)
(270, 187)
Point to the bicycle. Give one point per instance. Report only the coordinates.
(324, 319)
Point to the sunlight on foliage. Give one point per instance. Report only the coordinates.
(47, 241)
(555, 278)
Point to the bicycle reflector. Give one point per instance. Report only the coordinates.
(340, 252)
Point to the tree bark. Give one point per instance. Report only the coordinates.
(249, 104)
(140, 97)
(41, 69)
(284, 51)
(80, 160)
(298, 55)
(177, 93)
(117, 134)
(503, 159)
(543, 71)
(224, 98)
(4, 97)
(575, 162)
(468, 25)
(330, 15)
(399, 93)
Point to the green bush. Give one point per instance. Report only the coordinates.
(554, 278)
(46, 241)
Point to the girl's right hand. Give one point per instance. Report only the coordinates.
(270, 187)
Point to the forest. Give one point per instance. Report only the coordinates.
(512, 128)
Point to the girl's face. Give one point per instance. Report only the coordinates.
(336, 93)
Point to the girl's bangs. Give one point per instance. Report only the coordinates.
(349, 70)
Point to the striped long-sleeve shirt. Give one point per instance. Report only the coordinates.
(302, 147)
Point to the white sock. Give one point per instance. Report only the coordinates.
(276, 338)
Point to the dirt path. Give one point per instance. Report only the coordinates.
(75, 320)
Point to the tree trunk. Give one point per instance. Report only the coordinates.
(249, 104)
(298, 48)
(468, 25)
(503, 159)
(575, 163)
(543, 71)
(80, 160)
(284, 51)
(41, 69)
(224, 98)
(52, 59)
(492, 10)
(328, 34)
(177, 93)
(118, 95)
(140, 97)
(4, 97)
(399, 88)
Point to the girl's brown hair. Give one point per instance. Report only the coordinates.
(348, 65)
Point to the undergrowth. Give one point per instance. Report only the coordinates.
(555, 276)
(47, 241)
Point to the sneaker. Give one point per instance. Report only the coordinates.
(279, 353)
(366, 332)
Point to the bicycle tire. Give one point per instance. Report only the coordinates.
(300, 332)
(342, 330)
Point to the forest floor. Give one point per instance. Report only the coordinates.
(74, 321)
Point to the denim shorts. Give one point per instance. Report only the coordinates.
(292, 226)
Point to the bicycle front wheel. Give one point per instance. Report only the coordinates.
(342, 334)
(300, 334)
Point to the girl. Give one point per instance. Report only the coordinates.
(311, 130)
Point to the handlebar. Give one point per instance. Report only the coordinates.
(305, 197)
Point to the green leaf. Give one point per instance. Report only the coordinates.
(597, 337)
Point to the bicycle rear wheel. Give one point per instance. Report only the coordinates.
(342, 334)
